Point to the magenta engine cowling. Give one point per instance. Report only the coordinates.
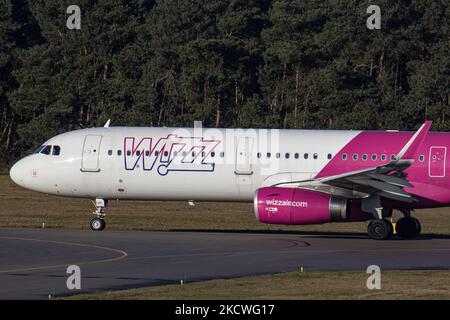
(299, 206)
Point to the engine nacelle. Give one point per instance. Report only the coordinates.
(299, 206)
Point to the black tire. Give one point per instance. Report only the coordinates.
(408, 228)
(419, 226)
(380, 229)
(97, 224)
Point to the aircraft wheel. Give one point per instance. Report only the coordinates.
(97, 224)
(419, 226)
(380, 229)
(408, 227)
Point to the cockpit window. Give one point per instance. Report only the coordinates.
(56, 150)
(38, 149)
(46, 150)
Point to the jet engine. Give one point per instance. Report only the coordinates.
(276, 205)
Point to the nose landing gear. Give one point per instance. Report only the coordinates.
(98, 223)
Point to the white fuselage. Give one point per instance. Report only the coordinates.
(177, 163)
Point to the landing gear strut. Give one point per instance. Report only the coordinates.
(408, 227)
(98, 223)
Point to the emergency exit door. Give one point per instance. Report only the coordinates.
(243, 164)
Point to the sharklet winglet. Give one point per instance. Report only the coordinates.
(413, 144)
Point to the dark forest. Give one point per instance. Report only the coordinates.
(228, 63)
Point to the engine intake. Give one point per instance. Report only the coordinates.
(299, 206)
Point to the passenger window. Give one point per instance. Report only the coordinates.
(383, 157)
(355, 156)
(286, 155)
(175, 153)
(374, 157)
(128, 153)
(277, 155)
(213, 154)
(306, 156)
(421, 158)
(166, 153)
(109, 152)
(193, 154)
(56, 150)
(344, 156)
(296, 156)
(364, 157)
(184, 154)
(268, 154)
(156, 153)
(46, 149)
(329, 156)
(138, 153)
(258, 155)
(315, 156)
(119, 152)
(393, 157)
(147, 153)
(222, 154)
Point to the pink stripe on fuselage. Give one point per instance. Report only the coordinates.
(369, 143)
(431, 189)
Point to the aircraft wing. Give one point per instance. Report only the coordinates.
(387, 180)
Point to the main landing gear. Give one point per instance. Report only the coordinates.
(380, 229)
(98, 223)
(406, 227)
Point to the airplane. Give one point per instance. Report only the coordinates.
(293, 177)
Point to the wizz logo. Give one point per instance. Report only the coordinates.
(171, 153)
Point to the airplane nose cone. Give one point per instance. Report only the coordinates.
(17, 172)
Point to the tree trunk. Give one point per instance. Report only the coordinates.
(396, 77)
(218, 111)
(296, 97)
(236, 103)
(306, 109)
(5, 130)
(282, 87)
(105, 71)
(381, 63)
(371, 67)
(8, 137)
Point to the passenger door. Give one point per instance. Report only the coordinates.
(90, 155)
